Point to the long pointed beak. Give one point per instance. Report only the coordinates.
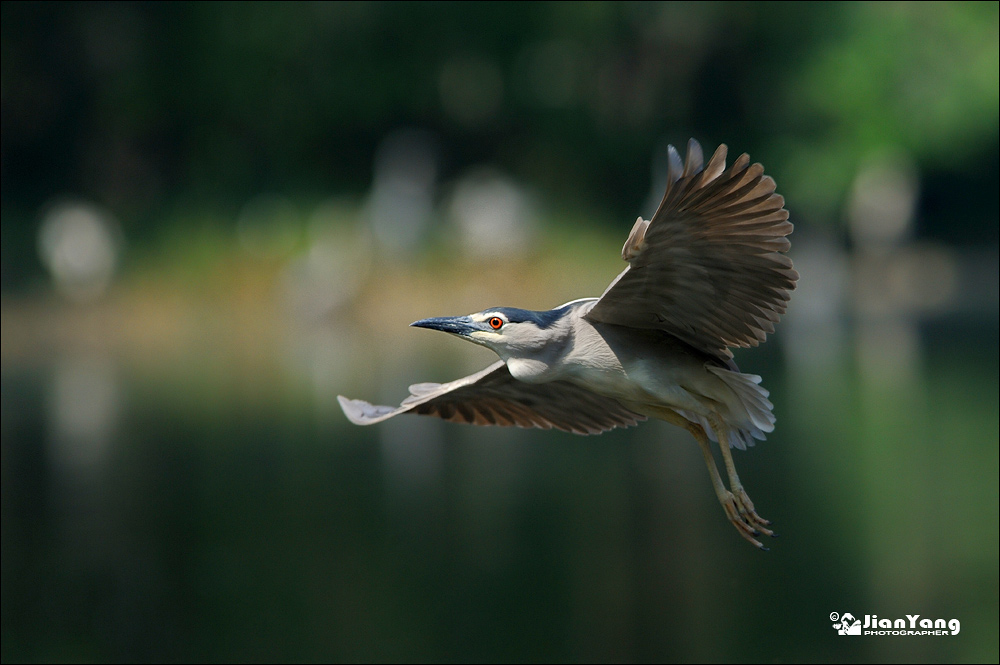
(457, 325)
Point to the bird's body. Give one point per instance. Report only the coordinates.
(705, 273)
(644, 370)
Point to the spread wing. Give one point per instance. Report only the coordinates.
(494, 397)
(709, 266)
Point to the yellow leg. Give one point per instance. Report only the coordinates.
(742, 500)
(747, 522)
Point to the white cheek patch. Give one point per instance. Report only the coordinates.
(483, 335)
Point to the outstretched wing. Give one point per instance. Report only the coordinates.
(494, 397)
(709, 266)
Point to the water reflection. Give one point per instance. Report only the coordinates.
(201, 495)
(84, 408)
(412, 452)
(252, 531)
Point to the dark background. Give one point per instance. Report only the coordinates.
(218, 217)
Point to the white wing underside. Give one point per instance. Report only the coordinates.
(493, 397)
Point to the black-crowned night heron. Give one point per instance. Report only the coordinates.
(707, 272)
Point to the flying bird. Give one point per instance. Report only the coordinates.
(707, 272)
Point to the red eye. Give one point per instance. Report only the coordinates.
(496, 323)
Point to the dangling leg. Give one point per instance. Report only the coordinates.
(742, 500)
(730, 504)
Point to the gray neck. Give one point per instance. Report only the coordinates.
(536, 355)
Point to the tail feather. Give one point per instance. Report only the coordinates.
(756, 418)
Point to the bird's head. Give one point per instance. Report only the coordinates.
(508, 331)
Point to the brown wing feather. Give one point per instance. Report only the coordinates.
(709, 267)
(493, 397)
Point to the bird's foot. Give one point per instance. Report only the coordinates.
(740, 511)
(736, 504)
(748, 512)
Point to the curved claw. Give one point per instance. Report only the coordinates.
(745, 506)
(743, 503)
(738, 517)
(737, 505)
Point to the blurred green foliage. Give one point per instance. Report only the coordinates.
(143, 107)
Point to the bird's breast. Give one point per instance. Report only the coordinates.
(530, 370)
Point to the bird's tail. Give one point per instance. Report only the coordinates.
(752, 416)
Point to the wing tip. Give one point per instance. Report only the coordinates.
(361, 412)
(695, 161)
(351, 409)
